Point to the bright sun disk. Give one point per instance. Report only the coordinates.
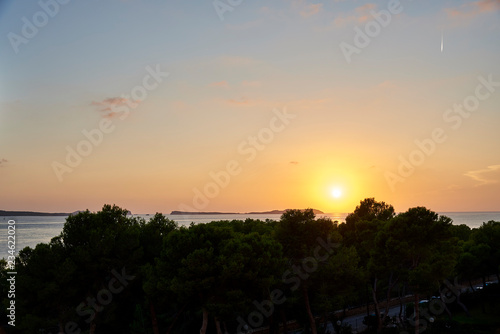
(336, 192)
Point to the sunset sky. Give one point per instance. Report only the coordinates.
(299, 103)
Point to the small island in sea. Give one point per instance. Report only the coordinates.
(30, 213)
(4, 213)
(272, 212)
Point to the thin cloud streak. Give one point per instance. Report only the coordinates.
(478, 175)
(473, 9)
(360, 14)
(107, 106)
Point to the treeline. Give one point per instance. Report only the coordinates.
(111, 273)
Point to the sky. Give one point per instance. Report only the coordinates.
(238, 105)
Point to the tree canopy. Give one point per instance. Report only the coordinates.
(109, 272)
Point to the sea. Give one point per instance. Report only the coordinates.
(32, 230)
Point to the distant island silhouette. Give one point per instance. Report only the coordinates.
(4, 213)
(31, 213)
(272, 212)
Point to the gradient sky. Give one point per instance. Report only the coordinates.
(228, 79)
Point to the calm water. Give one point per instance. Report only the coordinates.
(31, 231)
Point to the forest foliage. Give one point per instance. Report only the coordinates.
(109, 272)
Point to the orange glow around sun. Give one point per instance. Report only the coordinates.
(334, 191)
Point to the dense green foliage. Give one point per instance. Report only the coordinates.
(111, 273)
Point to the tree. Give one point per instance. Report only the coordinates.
(68, 282)
(426, 249)
(46, 291)
(299, 234)
(251, 265)
(219, 271)
(368, 210)
(384, 265)
(360, 231)
(337, 281)
(100, 243)
(486, 248)
(152, 235)
(462, 232)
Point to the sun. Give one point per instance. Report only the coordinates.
(336, 192)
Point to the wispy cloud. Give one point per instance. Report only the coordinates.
(489, 175)
(360, 14)
(472, 9)
(223, 84)
(294, 162)
(3, 161)
(107, 106)
(306, 9)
